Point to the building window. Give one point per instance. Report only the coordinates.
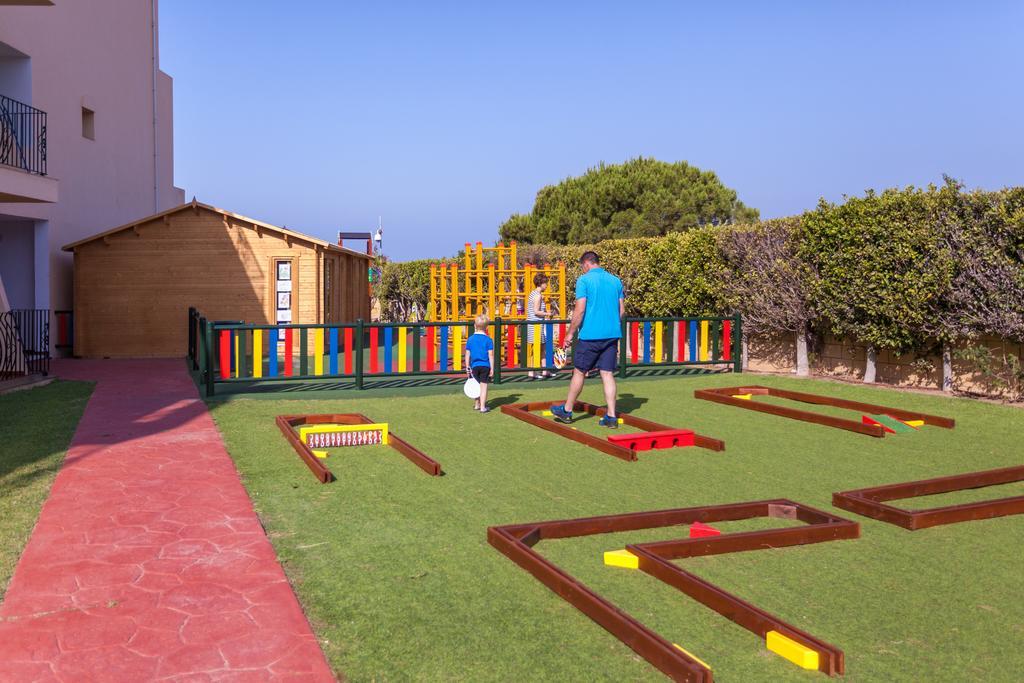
(88, 124)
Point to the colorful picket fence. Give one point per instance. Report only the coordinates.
(232, 351)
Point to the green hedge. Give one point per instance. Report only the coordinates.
(898, 269)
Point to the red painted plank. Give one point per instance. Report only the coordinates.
(645, 441)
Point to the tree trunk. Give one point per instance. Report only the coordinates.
(947, 368)
(869, 365)
(802, 365)
(744, 353)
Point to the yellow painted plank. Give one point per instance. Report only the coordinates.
(691, 656)
(745, 397)
(382, 427)
(916, 424)
(785, 647)
(621, 558)
(657, 341)
(703, 339)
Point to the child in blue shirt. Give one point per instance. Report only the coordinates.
(480, 359)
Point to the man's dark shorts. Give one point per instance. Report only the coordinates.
(602, 354)
(482, 374)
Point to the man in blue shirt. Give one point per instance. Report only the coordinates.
(600, 306)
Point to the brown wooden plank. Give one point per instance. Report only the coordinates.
(512, 541)
(792, 413)
(318, 468)
(659, 652)
(290, 423)
(519, 411)
(869, 501)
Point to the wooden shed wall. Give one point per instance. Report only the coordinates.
(133, 289)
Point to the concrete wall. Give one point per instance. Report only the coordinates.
(832, 357)
(16, 263)
(98, 54)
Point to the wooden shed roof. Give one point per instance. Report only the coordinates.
(196, 206)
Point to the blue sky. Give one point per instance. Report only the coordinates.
(446, 117)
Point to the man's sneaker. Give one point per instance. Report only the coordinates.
(561, 414)
(609, 422)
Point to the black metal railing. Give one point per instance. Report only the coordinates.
(24, 343)
(22, 136)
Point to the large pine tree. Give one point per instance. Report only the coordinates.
(640, 198)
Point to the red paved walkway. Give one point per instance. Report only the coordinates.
(148, 561)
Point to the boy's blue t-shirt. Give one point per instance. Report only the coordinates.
(603, 291)
(478, 345)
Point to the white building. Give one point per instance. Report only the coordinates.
(86, 135)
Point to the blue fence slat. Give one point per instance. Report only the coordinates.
(334, 351)
(389, 334)
(647, 341)
(443, 357)
(272, 353)
(694, 342)
(549, 345)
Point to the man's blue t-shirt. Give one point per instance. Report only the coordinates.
(478, 345)
(603, 291)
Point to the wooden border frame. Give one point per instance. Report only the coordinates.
(655, 559)
(524, 412)
(870, 501)
(727, 396)
(288, 423)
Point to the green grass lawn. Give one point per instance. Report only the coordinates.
(396, 575)
(36, 426)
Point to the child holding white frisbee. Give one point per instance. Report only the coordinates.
(480, 359)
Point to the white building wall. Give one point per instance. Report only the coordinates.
(97, 54)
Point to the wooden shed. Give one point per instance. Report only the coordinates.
(133, 284)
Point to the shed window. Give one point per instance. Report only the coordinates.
(88, 123)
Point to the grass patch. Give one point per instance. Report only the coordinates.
(394, 570)
(36, 427)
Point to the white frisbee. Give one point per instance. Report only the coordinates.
(471, 388)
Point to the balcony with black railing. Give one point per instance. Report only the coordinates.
(22, 136)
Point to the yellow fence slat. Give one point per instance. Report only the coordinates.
(401, 348)
(535, 361)
(318, 351)
(257, 353)
(457, 349)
